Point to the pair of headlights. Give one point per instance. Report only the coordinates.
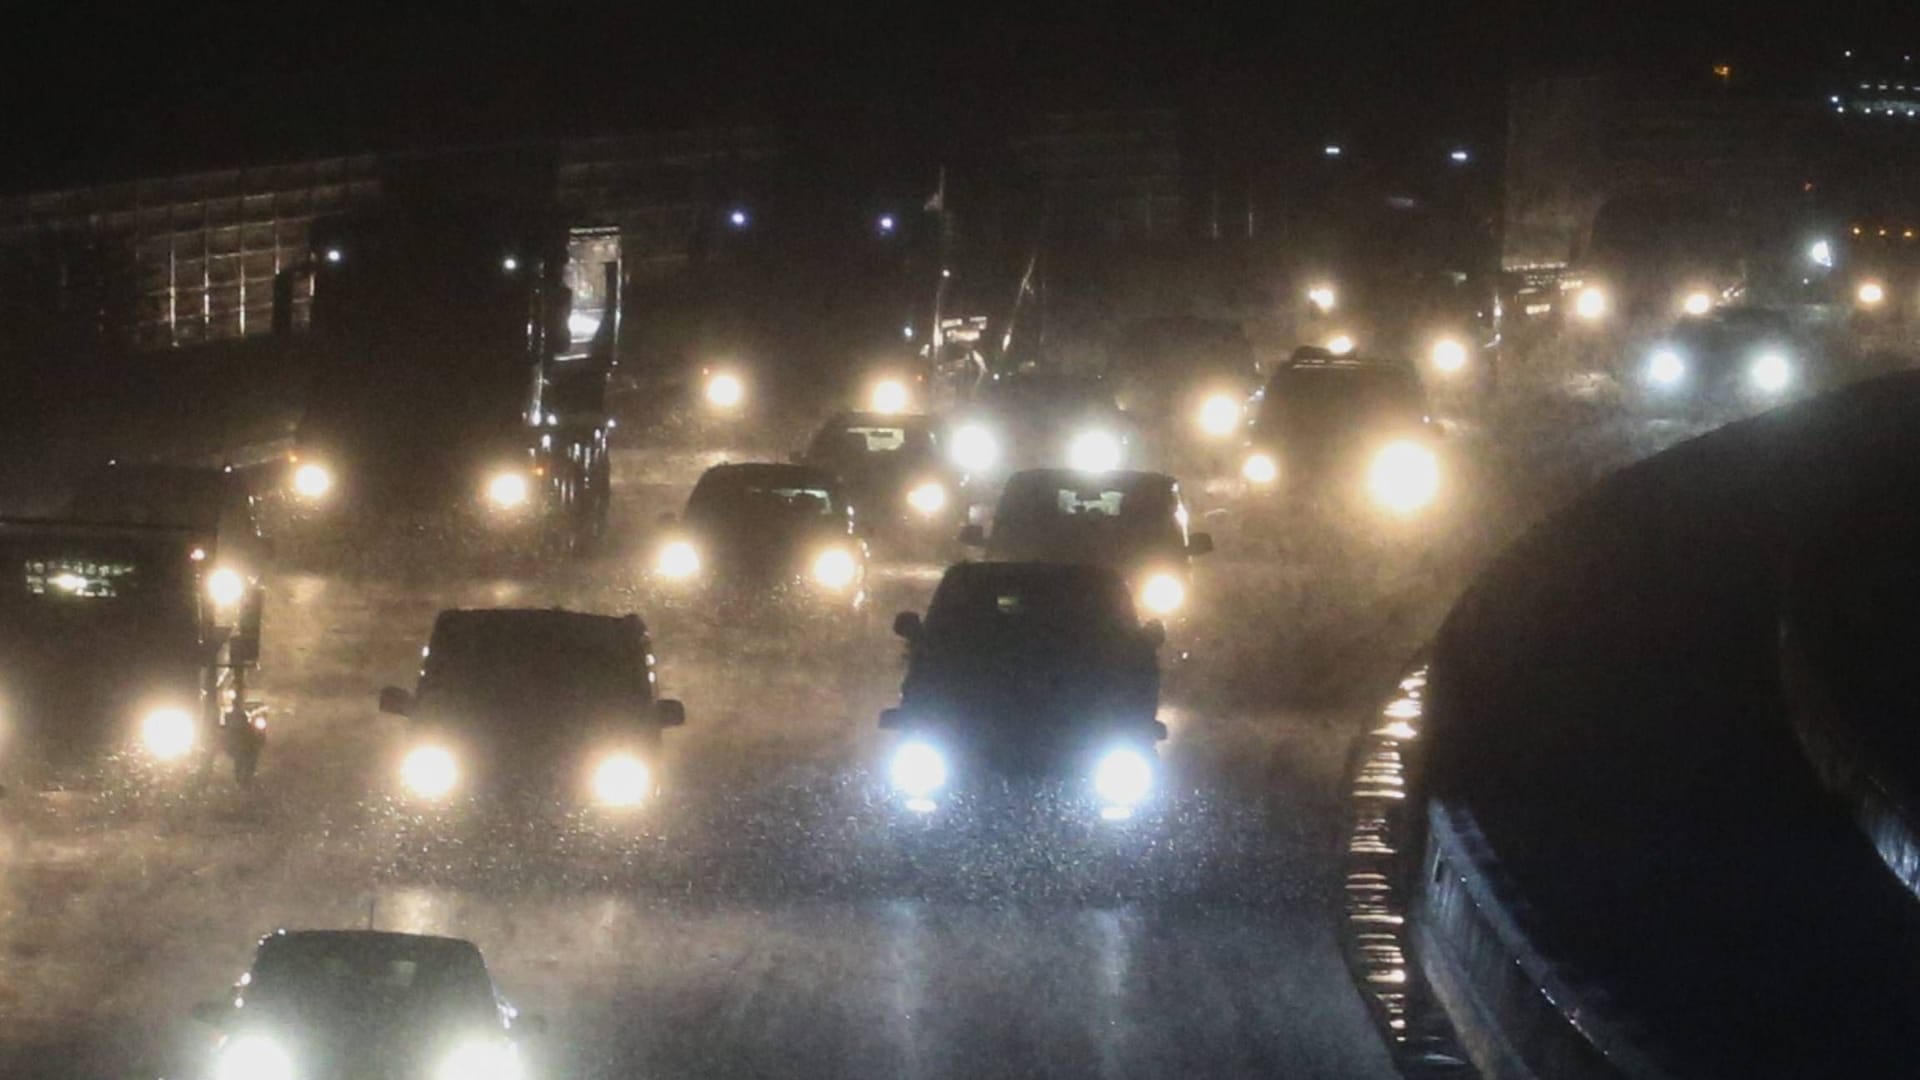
(833, 568)
(508, 489)
(1122, 777)
(619, 779)
(976, 449)
(1403, 477)
(261, 1057)
(1769, 372)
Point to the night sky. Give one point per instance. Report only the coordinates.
(98, 93)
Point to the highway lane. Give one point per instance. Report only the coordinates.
(768, 917)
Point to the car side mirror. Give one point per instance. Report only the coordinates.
(395, 701)
(669, 713)
(890, 719)
(1155, 632)
(211, 1012)
(1200, 544)
(907, 625)
(973, 536)
(533, 1023)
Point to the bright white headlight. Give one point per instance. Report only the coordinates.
(929, 498)
(1219, 415)
(1449, 356)
(678, 561)
(312, 480)
(253, 1057)
(1259, 469)
(1123, 777)
(508, 490)
(429, 771)
(621, 780)
(1870, 293)
(168, 734)
(1771, 372)
(225, 587)
(1665, 367)
(888, 396)
(1162, 595)
(1321, 297)
(725, 391)
(917, 769)
(481, 1059)
(1697, 303)
(1591, 303)
(1403, 477)
(1094, 451)
(1340, 344)
(974, 448)
(835, 569)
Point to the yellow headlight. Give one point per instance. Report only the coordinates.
(1321, 297)
(1404, 477)
(1870, 293)
(1340, 344)
(1591, 303)
(725, 391)
(508, 490)
(1449, 355)
(1219, 415)
(621, 780)
(1260, 469)
(888, 396)
(835, 569)
(929, 498)
(312, 480)
(225, 587)
(1697, 303)
(429, 771)
(1162, 595)
(168, 734)
(678, 561)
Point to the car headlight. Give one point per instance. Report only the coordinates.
(1094, 451)
(508, 490)
(1771, 372)
(252, 1057)
(1219, 415)
(1590, 303)
(888, 396)
(168, 733)
(1340, 344)
(918, 769)
(835, 569)
(725, 391)
(928, 499)
(678, 561)
(1162, 594)
(1259, 469)
(312, 480)
(974, 448)
(1404, 476)
(1123, 778)
(621, 780)
(1697, 303)
(1322, 297)
(225, 587)
(1665, 367)
(481, 1059)
(1449, 355)
(429, 771)
(1870, 293)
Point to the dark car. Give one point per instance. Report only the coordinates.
(1133, 522)
(1733, 355)
(548, 703)
(337, 1004)
(125, 646)
(1346, 428)
(772, 535)
(1028, 421)
(1028, 670)
(891, 466)
(211, 503)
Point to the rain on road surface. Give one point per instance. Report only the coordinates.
(768, 916)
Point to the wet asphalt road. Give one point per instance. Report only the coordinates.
(769, 916)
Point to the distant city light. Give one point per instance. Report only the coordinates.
(334, 255)
(1822, 253)
(1723, 72)
(509, 264)
(907, 332)
(1459, 157)
(886, 223)
(1331, 150)
(738, 219)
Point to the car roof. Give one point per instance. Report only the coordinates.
(768, 473)
(1121, 479)
(1319, 360)
(532, 621)
(369, 938)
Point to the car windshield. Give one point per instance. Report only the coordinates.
(774, 498)
(537, 670)
(329, 973)
(864, 444)
(1036, 510)
(177, 498)
(1062, 606)
(1338, 399)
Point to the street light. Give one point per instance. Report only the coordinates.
(737, 218)
(1459, 157)
(886, 224)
